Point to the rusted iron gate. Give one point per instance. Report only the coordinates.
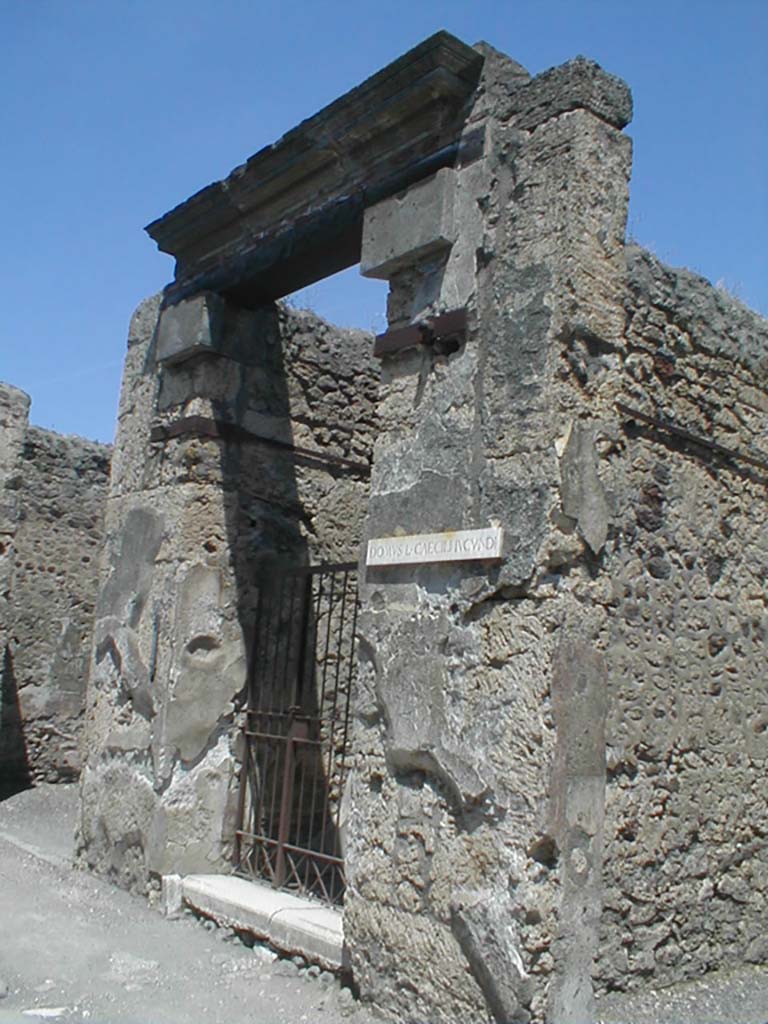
(296, 732)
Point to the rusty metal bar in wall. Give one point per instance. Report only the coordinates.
(434, 328)
(205, 426)
(686, 435)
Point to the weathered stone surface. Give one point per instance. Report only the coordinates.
(457, 662)
(293, 212)
(52, 495)
(685, 861)
(14, 414)
(558, 759)
(192, 524)
(583, 494)
(190, 328)
(484, 926)
(409, 227)
(577, 794)
(579, 84)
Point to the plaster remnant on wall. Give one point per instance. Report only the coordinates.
(197, 527)
(577, 795)
(583, 495)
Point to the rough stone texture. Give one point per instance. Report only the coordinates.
(686, 873)
(193, 522)
(558, 759)
(14, 419)
(409, 227)
(53, 504)
(455, 859)
(193, 327)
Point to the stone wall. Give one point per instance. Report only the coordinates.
(54, 489)
(475, 868)
(686, 873)
(194, 522)
(558, 755)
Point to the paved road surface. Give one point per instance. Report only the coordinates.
(77, 950)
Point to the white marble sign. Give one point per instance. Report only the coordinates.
(451, 546)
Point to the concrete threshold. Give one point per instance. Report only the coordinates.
(289, 923)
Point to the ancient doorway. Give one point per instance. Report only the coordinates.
(296, 731)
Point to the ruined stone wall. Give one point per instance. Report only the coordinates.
(57, 490)
(476, 859)
(686, 873)
(623, 630)
(194, 519)
(14, 421)
(557, 757)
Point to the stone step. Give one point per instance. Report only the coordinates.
(291, 924)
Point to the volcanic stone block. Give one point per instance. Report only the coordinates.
(190, 328)
(401, 231)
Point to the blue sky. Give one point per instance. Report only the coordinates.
(114, 111)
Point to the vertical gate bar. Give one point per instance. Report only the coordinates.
(312, 640)
(339, 643)
(300, 705)
(277, 600)
(239, 826)
(250, 687)
(298, 692)
(324, 672)
(327, 641)
(332, 734)
(285, 811)
(287, 681)
(350, 678)
(302, 773)
(255, 646)
(275, 749)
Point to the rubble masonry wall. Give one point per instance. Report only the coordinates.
(475, 865)
(54, 490)
(684, 586)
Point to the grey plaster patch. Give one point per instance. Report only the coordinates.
(426, 731)
(583, 494)
(132, 561)
(484, 926)
(209, 663)
(577, 809)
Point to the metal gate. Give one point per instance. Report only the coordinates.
(296, 731)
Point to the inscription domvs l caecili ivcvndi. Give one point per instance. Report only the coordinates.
(554, 757)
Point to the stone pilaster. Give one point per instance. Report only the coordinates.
(452, 862)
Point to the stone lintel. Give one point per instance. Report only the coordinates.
(407, 228)
(579, 84)
(383, 134)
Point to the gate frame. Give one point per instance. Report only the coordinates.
(297, 731)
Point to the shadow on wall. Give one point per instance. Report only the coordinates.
(268, 505)
(14, 765)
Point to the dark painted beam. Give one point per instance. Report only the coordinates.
(293, 213)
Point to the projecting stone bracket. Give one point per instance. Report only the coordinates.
(407, 228)
(191, 328)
